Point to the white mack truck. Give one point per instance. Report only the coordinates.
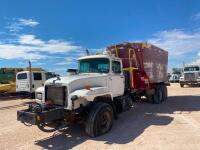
(191, 75)
(105, 85)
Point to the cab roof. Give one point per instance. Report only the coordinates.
(98, 56)
(29, 71)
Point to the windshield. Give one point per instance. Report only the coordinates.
(191, 69)
(95, 65)
(22, 76)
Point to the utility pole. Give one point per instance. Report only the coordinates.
(30, 71)
(183, 64)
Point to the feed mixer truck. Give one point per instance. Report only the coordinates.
(104, 86)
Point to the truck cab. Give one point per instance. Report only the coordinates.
(101, 74)
(191, 76)
(111, 67)
(175, 77)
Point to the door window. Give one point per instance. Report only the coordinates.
(37, 76)
(116, 67)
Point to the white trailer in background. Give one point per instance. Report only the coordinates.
(28, 82)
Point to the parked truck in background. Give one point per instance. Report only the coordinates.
(8, 78)
(175, 75)
(28, 82)
(191, 75)
(105, 85)
(174, 78)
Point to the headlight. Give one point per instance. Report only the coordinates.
(39, 96)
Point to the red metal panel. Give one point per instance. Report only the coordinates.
(146, 57)
(127, 52)
(140, 80)
(155, 64)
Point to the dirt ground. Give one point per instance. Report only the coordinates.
(172, 125)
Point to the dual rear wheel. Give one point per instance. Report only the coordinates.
(160, 94)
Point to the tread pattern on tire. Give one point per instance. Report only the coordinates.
(165, 93)
(158, 88)
(90, 123)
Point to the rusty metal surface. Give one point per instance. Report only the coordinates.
(145, 57)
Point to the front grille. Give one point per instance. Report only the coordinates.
(56, 94)
(189, 76)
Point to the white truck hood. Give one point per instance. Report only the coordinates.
(79, 81)
(71, 78)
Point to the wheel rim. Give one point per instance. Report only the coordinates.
(104, 122)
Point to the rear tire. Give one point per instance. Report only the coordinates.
(165, 93)
(159, 94)
(100, 119)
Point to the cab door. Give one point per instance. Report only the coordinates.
(117, 78)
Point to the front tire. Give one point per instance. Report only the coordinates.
(100, 119)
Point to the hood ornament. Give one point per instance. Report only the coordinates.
(54, 81)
